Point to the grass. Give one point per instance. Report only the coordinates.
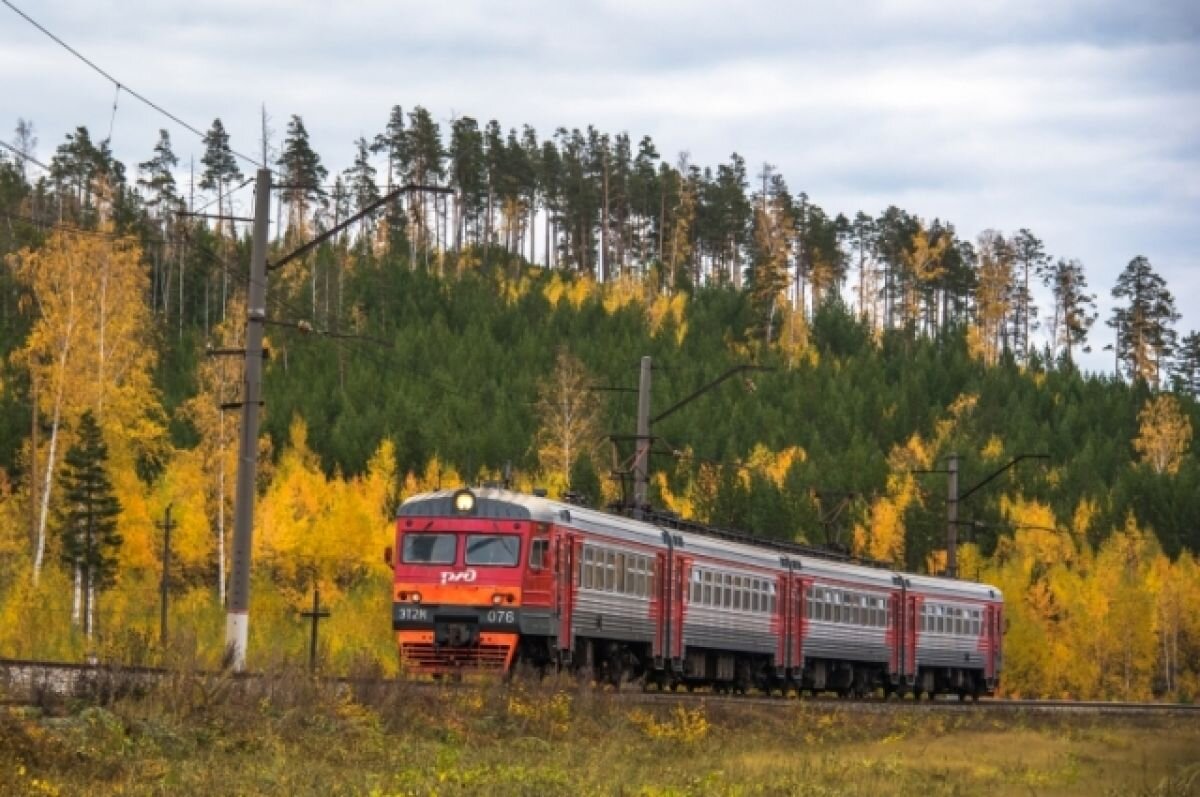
(289, 735)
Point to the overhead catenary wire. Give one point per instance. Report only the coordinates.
(24, 156)
(118, 84)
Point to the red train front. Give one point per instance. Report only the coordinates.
(471, 575)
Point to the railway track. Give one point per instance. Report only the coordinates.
(25, 682)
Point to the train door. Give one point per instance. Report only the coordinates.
(679, 576)
(799, 622)
(782, 622)
(895, 634)
(566, 552)
(660, 607)
(539, 575)
(994, 633)
(911, 612)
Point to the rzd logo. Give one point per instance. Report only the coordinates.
(465, 577)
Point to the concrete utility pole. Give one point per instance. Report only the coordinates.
(641, 462)
(166, 525)
(237, 617)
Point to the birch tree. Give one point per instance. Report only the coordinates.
(570, 417)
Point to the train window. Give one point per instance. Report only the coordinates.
(537, 554)
(610, 576)
(726, 591)
(619, 572)
(497, 550)
(771, 598)
(585, 568)
(429, 549)
(737, 592)
(696, 590)
(755, 598)
(707, 597)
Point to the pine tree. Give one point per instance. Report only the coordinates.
(992, 298)
(466, 176)
(1185, 371)
(220, 170)
(424, 144)
(360, 179)
(88, 523)
(1030, 255)
(394, 142)
(1074, 309)
(302, 176)
(157, 177)
(774, 222)
(1145, 339)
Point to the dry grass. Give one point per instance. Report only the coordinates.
(288, 734)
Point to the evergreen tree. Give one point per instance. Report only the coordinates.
(157, 178)
(426, 156)
(302, 176)
(993, 295)
(466, 176)
(88, 522)
(1030, 255)
(1074, 308)
(769, 269)
(646, 195)
(220, 165)
(1145, 338)
(1185, 371)
(394, 142)
(220, 170)
(360, 180)
(862, 237)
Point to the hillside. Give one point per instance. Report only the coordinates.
(402, 357)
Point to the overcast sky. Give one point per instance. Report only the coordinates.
(1078, 120)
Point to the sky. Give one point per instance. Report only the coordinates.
(1077, 120)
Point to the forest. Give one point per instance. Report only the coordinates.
(486, 324)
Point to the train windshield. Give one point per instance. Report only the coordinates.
(430, 549)
(496, 550)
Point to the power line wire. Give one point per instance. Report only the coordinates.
(119, 85)
(21, 154)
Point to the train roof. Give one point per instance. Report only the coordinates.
(500, 504)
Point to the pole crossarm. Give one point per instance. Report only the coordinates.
(369, 209)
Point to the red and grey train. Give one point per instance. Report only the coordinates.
(490, 578)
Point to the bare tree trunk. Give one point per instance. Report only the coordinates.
(221, 508)
(77, 598)
(90, 616)
(604, 262)
(40, 547)
(33, 455)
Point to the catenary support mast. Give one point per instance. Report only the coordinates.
(237, 617)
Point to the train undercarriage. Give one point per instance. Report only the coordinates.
(621, 664)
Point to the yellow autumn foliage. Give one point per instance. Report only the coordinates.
(1164, 435)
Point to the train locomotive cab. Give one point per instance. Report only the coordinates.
(465, 569)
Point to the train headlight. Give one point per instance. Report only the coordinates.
(464, 502)
(497, 599)
(416, 597)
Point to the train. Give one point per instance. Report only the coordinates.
(489, 578)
